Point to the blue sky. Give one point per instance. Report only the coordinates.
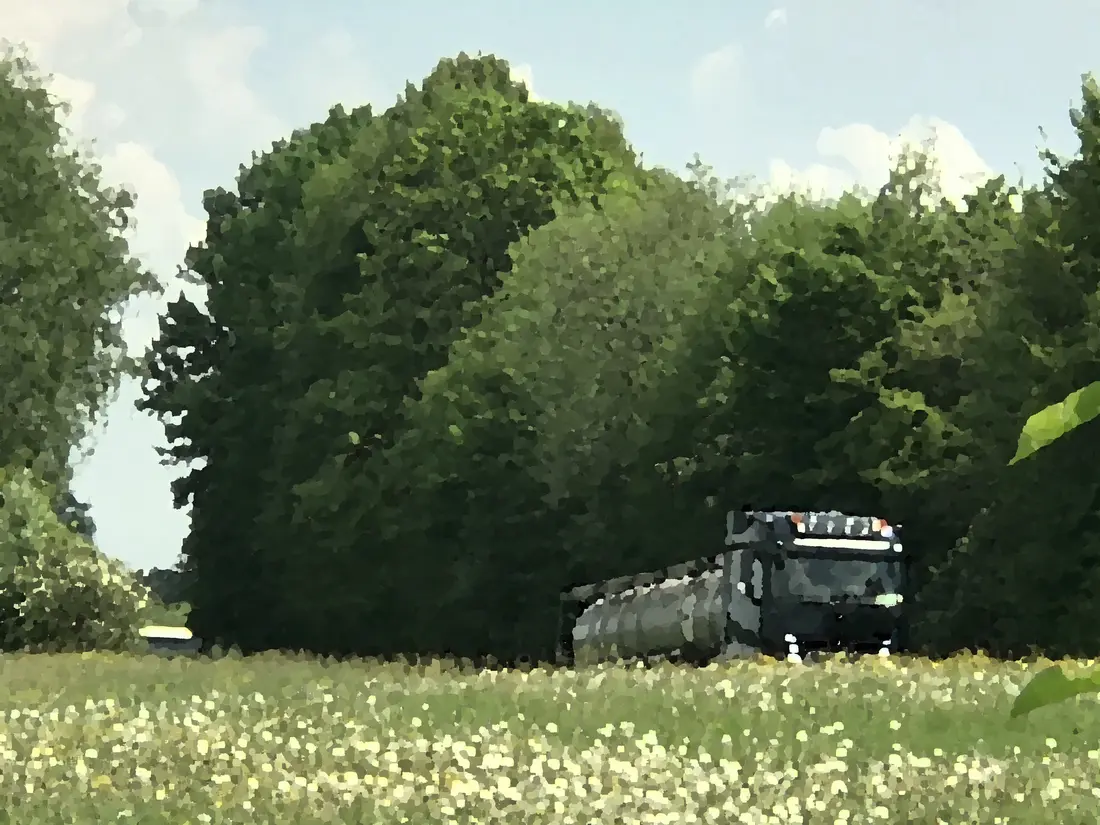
(818, 95)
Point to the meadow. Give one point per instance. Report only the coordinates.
(96, 738)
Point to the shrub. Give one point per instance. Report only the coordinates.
(57, 592)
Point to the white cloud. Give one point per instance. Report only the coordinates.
(775, 19)
(867, 150)
(715, 73)
(42, 25)
(163, 228)
(216, 66)
(159, 12)
(522, 74)
(112, 116)
(67, 31)
(817, 181)
(960, 169)
(161, 232)
(868, 155)
(77, 94)
(186, 65)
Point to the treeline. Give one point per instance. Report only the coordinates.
(468, 351)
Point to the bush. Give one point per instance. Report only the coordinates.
(57, 592)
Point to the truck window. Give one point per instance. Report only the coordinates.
(828, 580)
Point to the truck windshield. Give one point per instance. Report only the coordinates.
(834, 580)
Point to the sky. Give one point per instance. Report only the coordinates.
(173, 95)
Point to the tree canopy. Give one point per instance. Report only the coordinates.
(65, 266)
(338, 275)
(65, 274)
(468, 351)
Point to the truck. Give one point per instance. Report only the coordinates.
(788, 585)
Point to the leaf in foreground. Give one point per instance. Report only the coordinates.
(1052, 423)
(1051, 686)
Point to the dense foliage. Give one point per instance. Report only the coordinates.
(57, 592)
(467, 351)
(339, 274)
(64, 264)
(66, 272)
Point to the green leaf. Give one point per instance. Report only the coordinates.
(1058, 419)
(353, 437)
(1051, 686)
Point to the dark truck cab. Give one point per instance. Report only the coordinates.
(835, 583)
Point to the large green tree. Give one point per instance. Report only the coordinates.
(1025, 573)
(65, 274)
(528, 459)
(220, 382)
(339, 277)
(934, 425)
(65, 271)
(866, 355)
(800, 303)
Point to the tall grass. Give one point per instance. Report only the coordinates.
(92, 738)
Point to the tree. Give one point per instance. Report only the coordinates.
(800, 303)
(220, 383)
(335, 285)
(931, 435)
(168, 584)
(1058, 425)
(74, 514)
(863, 361)
(66, 271)
(57, 593)
(1032, 542)
(528, 458)
(1069, 303)
(1039, 529)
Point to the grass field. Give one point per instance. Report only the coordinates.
(97, 739)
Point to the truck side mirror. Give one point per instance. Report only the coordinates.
(757, 581)
(751, 577)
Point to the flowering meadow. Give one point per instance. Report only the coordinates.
(95, 738)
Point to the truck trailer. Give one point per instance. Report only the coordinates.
(788, 585)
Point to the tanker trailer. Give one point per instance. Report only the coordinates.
(676, 613)
(788, 584)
